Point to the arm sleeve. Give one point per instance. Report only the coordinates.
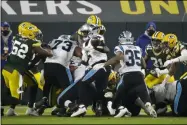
(181, 58)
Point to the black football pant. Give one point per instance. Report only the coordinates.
(131, 85)
(92, 86)
(57, 75)
(180, 101)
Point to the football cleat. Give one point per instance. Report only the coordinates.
(110, 109)
(61, 112)
(151, 110)
(31, 112)
(123, 112)
(55, 110)
(2, 111)
(80, 112)
(11, 112)
(99, 109)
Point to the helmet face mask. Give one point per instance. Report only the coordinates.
(156, 44)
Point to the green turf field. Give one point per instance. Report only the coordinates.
(88, 119)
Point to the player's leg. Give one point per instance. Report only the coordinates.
(37, 76)
(70, 94)
(180, 101)
(142, 92)
(86, 89)
(12, 80)
(32, 88)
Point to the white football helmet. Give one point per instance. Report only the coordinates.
(126, 38)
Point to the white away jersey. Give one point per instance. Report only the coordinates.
(92, 56)
(63, 49)
(132, 58)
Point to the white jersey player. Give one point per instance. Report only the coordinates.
(132, 84)
(63, 49)
(56, 68)
(174, 94)
(95, 56)
(93, 52)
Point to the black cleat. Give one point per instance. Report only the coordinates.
(99, 109)
(2, 111)
(55, 111)
(61, 112)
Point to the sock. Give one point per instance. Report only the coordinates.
(32, 95)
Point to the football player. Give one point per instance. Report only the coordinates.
(177, 53)
(129, 87)
(24, 47)
(173, 94)
(32, 76)
(177, 94)
(95, 56)
(158, 55)
(56, 68)
(95, 23)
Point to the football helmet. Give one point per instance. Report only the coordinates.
(126, 38)
(170, 40)
(156, 39)
(22, 26)
(102, 30)
(30, 32)
(84, 30)
(94, 20)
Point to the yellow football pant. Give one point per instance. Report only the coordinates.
(151, 80)
(31, 79)
(12, 81)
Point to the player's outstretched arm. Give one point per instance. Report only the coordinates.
(115, 60)
(42, 52)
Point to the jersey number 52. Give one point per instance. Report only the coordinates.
(19, 49)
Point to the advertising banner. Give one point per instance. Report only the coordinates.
(109, 11)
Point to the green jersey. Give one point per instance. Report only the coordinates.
(158, 59)
(177, 52)
(21, 54)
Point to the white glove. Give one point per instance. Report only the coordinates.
(168, 62)
(158, 72)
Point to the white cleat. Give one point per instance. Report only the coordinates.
(123, 112)
(11, 112)
(110, 109)
(151, 110)
(31, 112)
(81, 111)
